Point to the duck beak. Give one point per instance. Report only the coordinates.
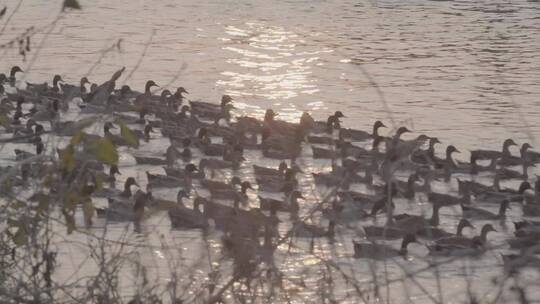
(457, 151)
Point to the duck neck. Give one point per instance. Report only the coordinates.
(434, 221)
(502, 210)
(180, 202)
(55, 84)
(404, 245)
(147, 89)
(483, 236)
(410, 187)
(523, 152)
(449, 159)
(331, 229)
(431, 151)
(506, 150)
(459, 231)
(375, 132)
(127, 190)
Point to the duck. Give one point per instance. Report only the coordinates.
(219, 185)
(127, 209)
(163, 181)
(302, 229)
(491, 154)
(514, 262)
(116, 139)
(434, 233)
(190, 170)
(426, 156)
(113, 192)
(145, 160)
(264, 171)
(514, 160)
(73, 91)
(448, 162)
(290, 204)
(183, 217)
(444, 199)
(232, 194)
(144, 99)
(278, 183)
(359, 135)
(464, 241)
(21, 155)
(506, 173)
(333, 122)
(145, 134)
(12, 79)
(481, 214)
(376, 251)
(509, 194)
(100, 94)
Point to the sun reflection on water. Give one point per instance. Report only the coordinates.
(266, 63)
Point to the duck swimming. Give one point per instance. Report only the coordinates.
(382, 252)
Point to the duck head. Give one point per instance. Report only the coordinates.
(164, 95)
(148, 129)
(269, 115)
(282, 167)
(296, 195)
(107, 126)
(113, 170)
(191, 168)
(524, 186)
(486, 229)
(14, 70)
(244, 186)
(378, 124)
(505, 204)
(130, 181)
(464, 223)
(56, 79)
(149, 85)
(3, 78)
(38, 129)
(180, 91)
(181, 195)
(339, 114)
(39, 146)
(84, 80)
(433, 141)
(523, 150)
(509, 142)
(235, 180)
(451, 149)
(401, 130)
(226, 99)
(124, 90)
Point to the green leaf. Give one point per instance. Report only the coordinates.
(128, 135)
(105, 151)
(88, 211)
(20, 237)
(84, 123)
(73, 4)
(77, 138)
(4, 120)
(70, 221)
(67, 158)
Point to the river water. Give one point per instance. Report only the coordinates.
(464, 71)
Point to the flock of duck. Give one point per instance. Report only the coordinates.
(208, 144)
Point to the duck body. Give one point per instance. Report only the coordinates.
(380, 251)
